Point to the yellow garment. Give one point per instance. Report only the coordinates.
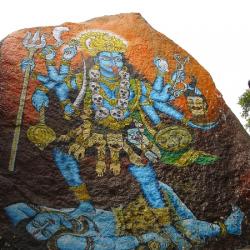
(138, 218)
(188, 158)
(112, 123)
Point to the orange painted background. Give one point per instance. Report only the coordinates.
(144, 43)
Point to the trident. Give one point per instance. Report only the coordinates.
(32, 45)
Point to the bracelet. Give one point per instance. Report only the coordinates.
(42, 88)
(65, 62)
(50, 63)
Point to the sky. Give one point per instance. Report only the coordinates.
(215, 32)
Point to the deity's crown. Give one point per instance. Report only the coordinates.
(95, 41)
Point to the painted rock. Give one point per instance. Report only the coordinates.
(114, 137)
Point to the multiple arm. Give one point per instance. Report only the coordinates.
(60, 80)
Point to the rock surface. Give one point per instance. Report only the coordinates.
(204, 151)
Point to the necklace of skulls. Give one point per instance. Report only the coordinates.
(118, 111)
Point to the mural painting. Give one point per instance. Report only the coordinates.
(119, 113)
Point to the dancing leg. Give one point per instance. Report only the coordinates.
(69, 168)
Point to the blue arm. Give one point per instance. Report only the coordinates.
(163, 95)
(73, 83)
(64, 69)
(158, 83)
(62, 92)
(43, 79)
(53, 74)
(39, 99)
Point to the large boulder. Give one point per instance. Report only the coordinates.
(114, 137)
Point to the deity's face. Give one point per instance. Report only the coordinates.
(44, 226)
(197, 105)
(110, 62)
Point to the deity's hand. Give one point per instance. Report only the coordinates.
(27, 63)
(100, 168)
(77, 150)
(39, 100)
(80, 153)
(178, 76)
(84, 130)
(69, 109)
(44, 225)
(115, 168)
(74, 147)
(161, 64)
(63, 138)
(49, 52)
(69, 53)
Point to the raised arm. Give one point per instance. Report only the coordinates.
(49, 53)
(162, 68)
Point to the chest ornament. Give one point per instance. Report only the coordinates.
(119, 103)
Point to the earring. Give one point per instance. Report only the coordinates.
(96, 67)
(125, 68)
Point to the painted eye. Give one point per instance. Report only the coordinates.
(36, 224)
(105, 58)
(118, 59)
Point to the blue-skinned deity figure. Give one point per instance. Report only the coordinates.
(100, 229)
(113, 103)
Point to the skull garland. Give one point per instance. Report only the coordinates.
(94, 74)
(101, 113)
(94, 87)
(124, 74)
(125, 84)
(118, 111)
(97, 99)
(124, 93)
(123, 103)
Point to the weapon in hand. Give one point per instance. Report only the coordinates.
(179, 75)
(32, 45)
(82, 92)
(40, 134)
